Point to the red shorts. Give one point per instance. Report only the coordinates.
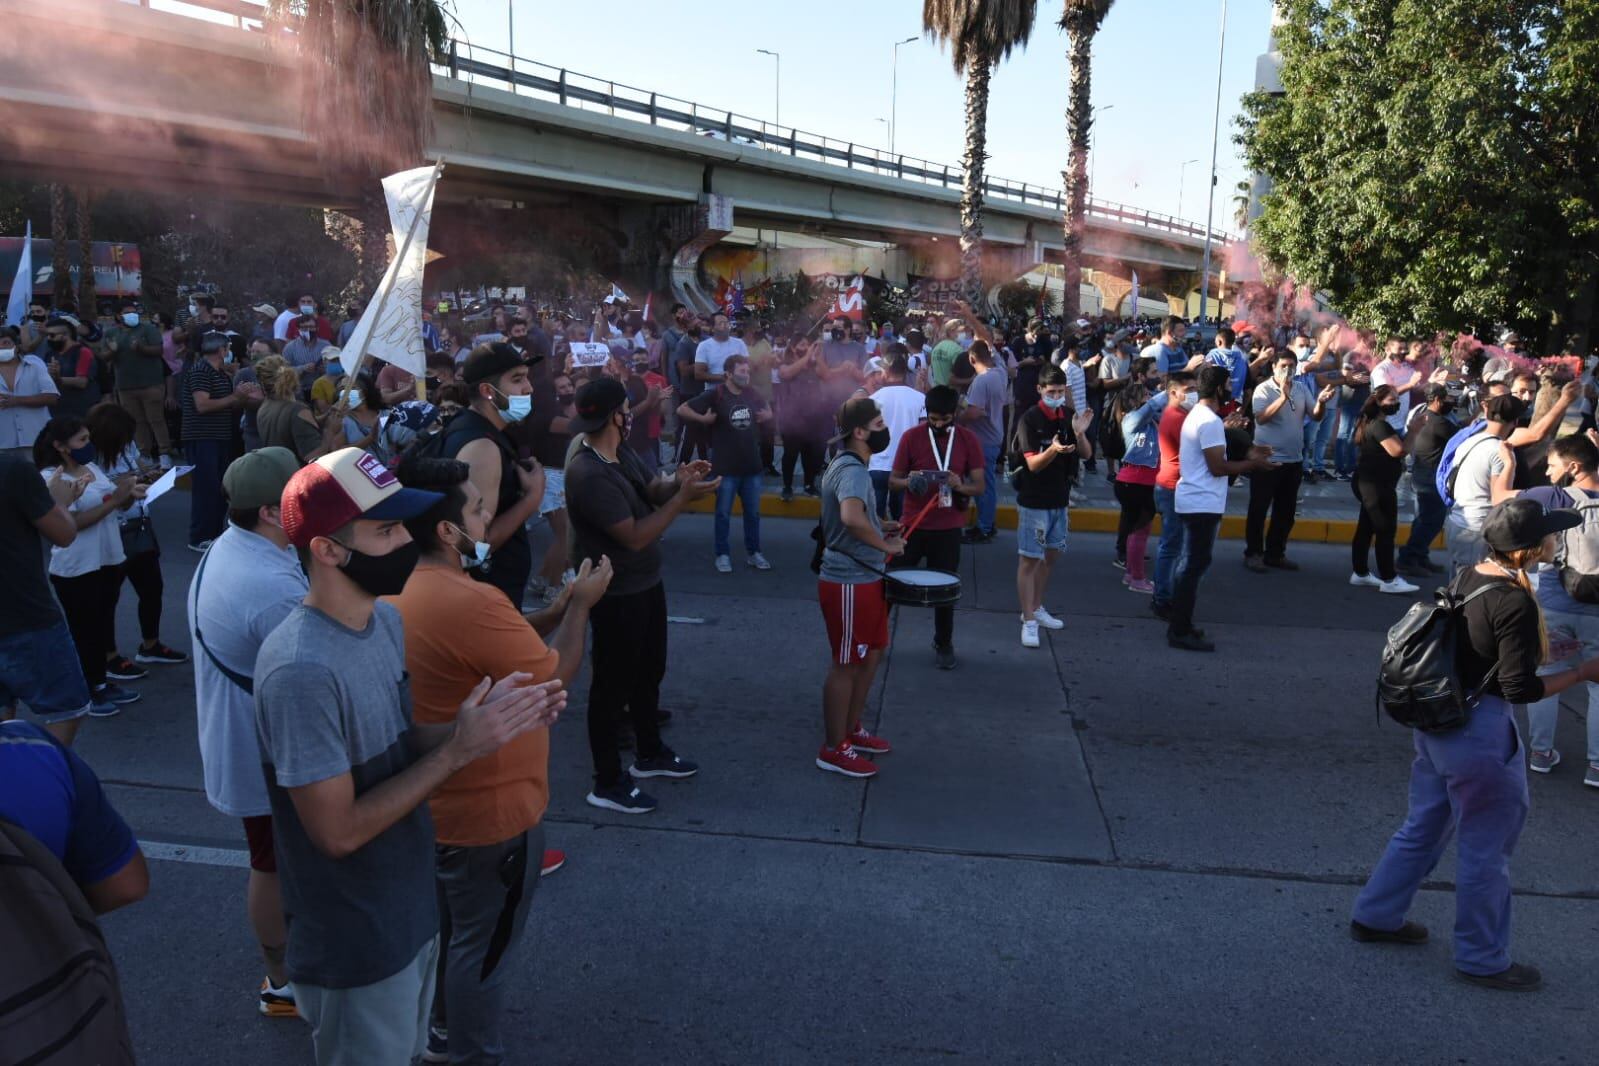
(857, 619)
(258, 832)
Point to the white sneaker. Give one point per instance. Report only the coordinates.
(1365, 580)
(1047, 620)
(758, 561)
(1029, 634)
(1398, 586)
(166, 462)
(724, 565)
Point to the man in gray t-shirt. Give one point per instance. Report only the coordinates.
(347, 772)
(984, 415)
(1281, 407)
(854, 607)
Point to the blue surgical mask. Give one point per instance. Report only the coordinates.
(352, 398)
(335, 368)
(517, 408)
(1054, 403)
(130, 319)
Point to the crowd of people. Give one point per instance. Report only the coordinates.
(355, 520)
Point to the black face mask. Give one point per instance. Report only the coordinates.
(878, 440)
(56, 343)
(838, 334)
(382, 575)
(1388, 409)
(565, 397)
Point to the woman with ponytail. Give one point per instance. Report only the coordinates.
(1473, 780)
(283, 420)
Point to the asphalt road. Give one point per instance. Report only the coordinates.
(1100, 851)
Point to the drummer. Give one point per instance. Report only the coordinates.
(855, 548)
(940, 465)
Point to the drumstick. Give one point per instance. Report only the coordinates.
(906, 530)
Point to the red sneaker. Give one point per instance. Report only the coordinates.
(553, 861)
(869, 743)
(844, 760)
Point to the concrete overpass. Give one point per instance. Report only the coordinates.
(172, 102)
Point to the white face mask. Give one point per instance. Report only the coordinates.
(130, 319)
(7, 355)
(308, 309)
(1189, 400)
(352, 398)
(1282, 374)
(480, 551)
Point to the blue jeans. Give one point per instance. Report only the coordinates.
(1344, 451)
(1199, 542)
(1471, 781)
(747, 487)
(891, 504)
(988, 502)
(1317, 434)
(1430, 515)
(1171, 544)
(41, 668)
(208, 508)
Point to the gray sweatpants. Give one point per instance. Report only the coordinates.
(384, 1022)
(484, 897)
(1466, 547)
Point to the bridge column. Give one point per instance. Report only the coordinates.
(1112, 289)
(693, 231)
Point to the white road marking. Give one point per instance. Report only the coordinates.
(156, 849)
(684, 620)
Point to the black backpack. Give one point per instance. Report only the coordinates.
(1111, 441)
(1418, 684)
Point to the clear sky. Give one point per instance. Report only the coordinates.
(1154, 73)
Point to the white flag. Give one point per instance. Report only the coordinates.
(1134, 311)
(22, 287)
(390, 328)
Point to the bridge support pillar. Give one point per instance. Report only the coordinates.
(1112, 289)
(665, 245)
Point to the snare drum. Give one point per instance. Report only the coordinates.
(912, 587)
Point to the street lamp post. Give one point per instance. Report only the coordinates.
(1182, 174)
(1215, 133)
(1093, 138)
(893, 93)
(777, 86)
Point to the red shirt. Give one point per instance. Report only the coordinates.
(653, 380)
(1171, 432)
(916, 453)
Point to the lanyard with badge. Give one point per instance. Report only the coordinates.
(945, 497)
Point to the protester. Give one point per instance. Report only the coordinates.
(1472, 782)
(1352, 393)
(547, 433)
(87, 572)
(1138, 415)
(855, 545)
(1283, 407)
(38, 660)
(27, 391)
(347, 770)
(501, 396)
(111, 431)
(368, 423)
(1426, 435)
(1181, 396)
(1484, 471)
(984, 415)
(283, 420)
(803, 417)
(620, 509)
(488, 816)
(244, 587)
(902, 407)
(734, 413)
(1201, 500)
(940, 465)
(1051, 440)
(1377, 473)
(1225, 354)
(325, 389)
(1572, 468)
(1170, 353)
(694, 441)
(210, 405)
(1319, 372)
(306, 351)
(73, 367)
(134, 349)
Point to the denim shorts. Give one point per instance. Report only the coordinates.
(40, 667)
(1040, 531)
(554, 491)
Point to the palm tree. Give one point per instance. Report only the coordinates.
(1241, 193)
(1081, 19)
(368, 95)
(60, 267)
(979, 33)
(86, 295)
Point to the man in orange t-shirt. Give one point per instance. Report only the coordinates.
(487, 817)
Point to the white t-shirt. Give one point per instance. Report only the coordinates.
(1401, 376)
(902, 408)
(97, 545)
(285, 320)
(1198, 490)
(1478, 461)
(713, 354)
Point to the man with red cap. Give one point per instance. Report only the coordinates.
(348, 772)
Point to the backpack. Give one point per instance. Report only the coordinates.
(1417, 683)
(1111, 442)
(1448, 466)
(59, 996)
(1579, 550)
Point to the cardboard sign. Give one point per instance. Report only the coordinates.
(585, 353)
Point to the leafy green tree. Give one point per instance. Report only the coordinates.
(1433, 162)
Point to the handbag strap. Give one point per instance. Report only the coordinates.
(243, 682)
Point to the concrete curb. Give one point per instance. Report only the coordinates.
(1085, 520)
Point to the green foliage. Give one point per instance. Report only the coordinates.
(1019, 299)
(790, 297)
(1433, 162)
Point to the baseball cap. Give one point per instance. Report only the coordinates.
(1503, 409)
(857, 413)
(256, 479)
(265, 309)
(341, 487)
(596, 402)
(489, 361)
(1522, 523)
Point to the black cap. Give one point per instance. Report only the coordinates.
(1503, 409)
(1522, 523)
(1439, 391)
(595, 403)
(489, 361)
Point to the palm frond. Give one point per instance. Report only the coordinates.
(979, 30)
(1084, 16)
